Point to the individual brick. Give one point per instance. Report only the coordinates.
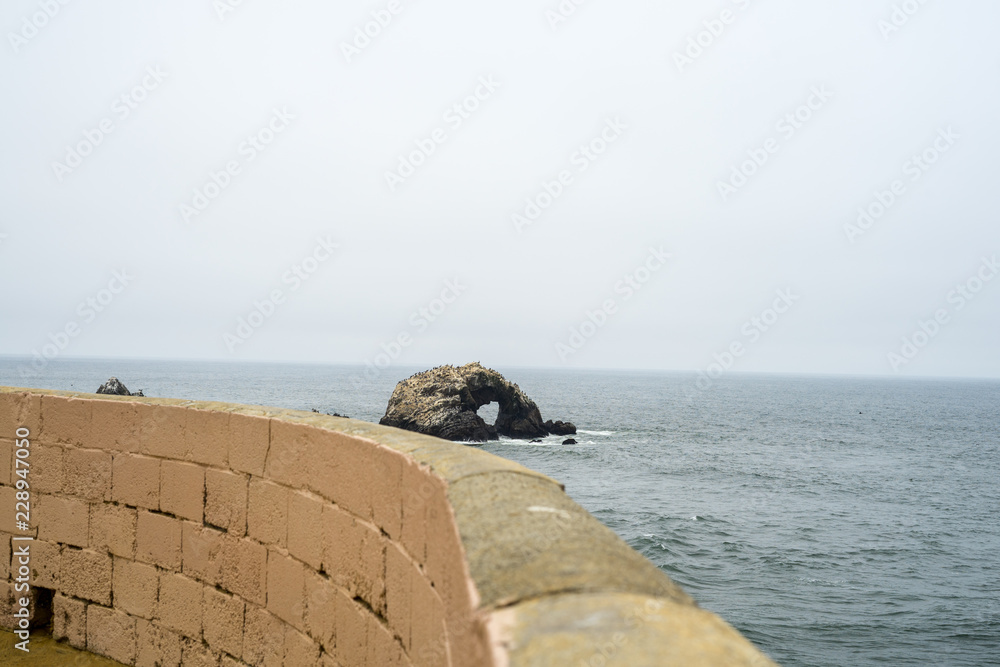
(286, 588)
(4, 556)
(196, 654)
(325, 467)
(320, 609)
(356, 470)
(289, 457)
(111, 633)
(341, 468)
(65, 520)
(114, 426)
(7, 620)
(305, 539)
(156, 646)
(399, 574)
(162, 431)
(224, 622)
(383, 649)
(248, 442)
(69, 621)
(354, 556)
(158, 540)
(446, 561)
(301, 650)
(182, 490)
(87, 474)
(419, 486)
(387, 495)
(352, 631)
(8, 511)
(267, 512)
(46, 560)
(244, 569)
(65, 420)
(86, 574)
(327, 660)
(46, 468)
(465, 630)
(207, 438)
(428, 639)
(335, 526)
(135, 480)
(136, 588)
(263, 638)
(226, 501)
(180, 605)
(6, 460)
(202, 553)
(112, 528)
(22, 409)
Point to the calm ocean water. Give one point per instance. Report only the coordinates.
(832, 521)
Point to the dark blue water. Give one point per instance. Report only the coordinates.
(832, 521)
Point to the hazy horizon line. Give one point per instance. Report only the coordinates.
(572, 369)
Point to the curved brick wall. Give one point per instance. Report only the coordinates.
(176, 532)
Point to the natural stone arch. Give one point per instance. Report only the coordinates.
(444, 402)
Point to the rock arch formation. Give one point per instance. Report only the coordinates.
(443, 402)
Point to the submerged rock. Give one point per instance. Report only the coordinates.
(443, 402)
(114, 387)
(569, 441)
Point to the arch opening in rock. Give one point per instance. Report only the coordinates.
(489, 412)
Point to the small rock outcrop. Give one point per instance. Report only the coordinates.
(115, 387)
(560, 428)
(444, 401)
(330, 414)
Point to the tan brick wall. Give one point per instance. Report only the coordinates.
(173, 534)
(210, 534)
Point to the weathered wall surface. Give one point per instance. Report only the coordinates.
(176, 532)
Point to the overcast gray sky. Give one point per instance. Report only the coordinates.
(120, 121)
